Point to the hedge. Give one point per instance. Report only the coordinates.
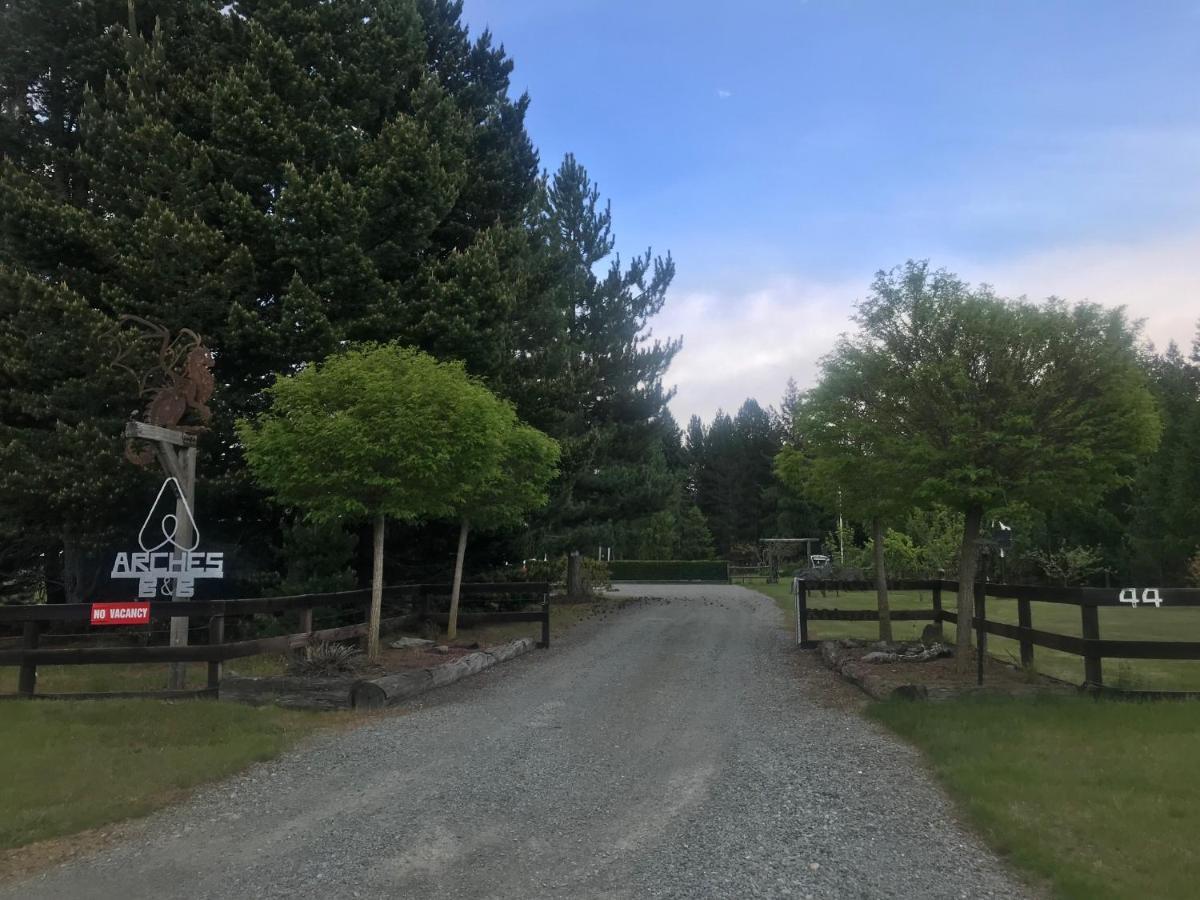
(668, 570)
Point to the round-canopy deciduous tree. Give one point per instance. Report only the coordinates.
(986, 402)
(499, 498)
(841, 452)
(381, 431)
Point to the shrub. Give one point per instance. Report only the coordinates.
(324, 658)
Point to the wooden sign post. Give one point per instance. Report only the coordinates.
(176, 452)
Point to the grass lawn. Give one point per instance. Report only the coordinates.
(128, 677)
(1093, 796)
(1122, 623)
(819, 630)
(75, 765)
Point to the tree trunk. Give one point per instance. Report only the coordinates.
(575, 589)
(452, 622)
(968, 564)
(376, 593)
(881, 589)
(52, 573)
(81, 571)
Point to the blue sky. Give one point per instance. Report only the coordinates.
(784, 151)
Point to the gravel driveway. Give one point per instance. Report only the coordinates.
(678, 748)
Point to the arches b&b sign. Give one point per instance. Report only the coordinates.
(171, 557)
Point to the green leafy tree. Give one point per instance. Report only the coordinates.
(499, 497)
(936, 533)
(1069, 565)
(844, 453)
(373, 433)
(984, 402)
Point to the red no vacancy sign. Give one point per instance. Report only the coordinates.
(120, 613)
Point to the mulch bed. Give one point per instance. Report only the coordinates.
(392, 660)
(935, 679)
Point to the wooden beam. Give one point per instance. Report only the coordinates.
(157, 433)
(170, 462)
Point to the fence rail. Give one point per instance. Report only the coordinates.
(1090, 646)
(218, 650)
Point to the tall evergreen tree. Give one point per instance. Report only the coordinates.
(1164, 527)
(615, 434)
(282, 176)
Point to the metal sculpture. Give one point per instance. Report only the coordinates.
(181, 381)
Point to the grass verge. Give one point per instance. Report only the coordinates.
(75, 765)
(1092, 796)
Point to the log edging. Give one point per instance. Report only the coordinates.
(388, 690)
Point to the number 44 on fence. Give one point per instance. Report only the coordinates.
(1149, 596)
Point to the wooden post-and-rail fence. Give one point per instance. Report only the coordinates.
(1090, 645)
(415, 598)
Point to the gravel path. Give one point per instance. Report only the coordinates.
(677, 749)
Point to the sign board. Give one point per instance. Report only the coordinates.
(177, 566)
(121, 613)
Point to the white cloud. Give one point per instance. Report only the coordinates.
(748, 342)
(1157, 281)
(723, 94)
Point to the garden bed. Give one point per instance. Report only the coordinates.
(933, 679)
(333, 691)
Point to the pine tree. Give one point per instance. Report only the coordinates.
(617, 434)
(1164, 533)
(281, 176)
(63, 482)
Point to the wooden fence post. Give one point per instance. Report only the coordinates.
(1092, 674)
(937, 605)
(980, 630)
(545, 620)
(27, 680)
(1025, 621)
(306, 620)
(216, 637)
(802, 614)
